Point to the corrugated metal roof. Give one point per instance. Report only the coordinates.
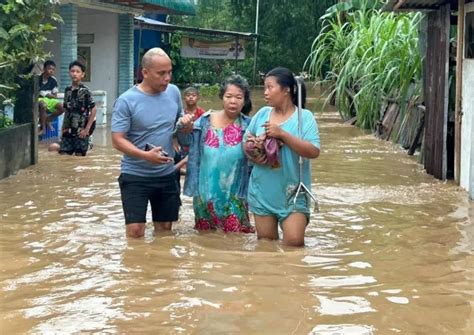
(151, 24)
(415, 5)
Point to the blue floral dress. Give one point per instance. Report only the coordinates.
(217, 205)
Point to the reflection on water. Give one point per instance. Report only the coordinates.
(391, 251)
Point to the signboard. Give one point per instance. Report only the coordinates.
(194, 48)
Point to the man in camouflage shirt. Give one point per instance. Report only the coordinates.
(79, 118)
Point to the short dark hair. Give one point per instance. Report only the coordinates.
(191, 89)
(48, 63)
(77, 63)
(240, 82)
(285, 78)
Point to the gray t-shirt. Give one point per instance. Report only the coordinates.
(146, 118)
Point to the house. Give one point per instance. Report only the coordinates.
(101, 34)
(440, 16)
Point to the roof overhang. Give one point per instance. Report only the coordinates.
(417, 5)
(171, 7)
(149, 24)
(138, 7)
(104, 6)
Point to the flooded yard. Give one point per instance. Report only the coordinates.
(391, 251)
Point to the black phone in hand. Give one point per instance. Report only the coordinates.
(150, 146)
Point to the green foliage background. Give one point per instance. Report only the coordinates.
(287, 29)
(24, 25)
(367, 56)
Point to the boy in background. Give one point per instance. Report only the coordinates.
(48, 91)
(183, 135)
(80, 111)
(191, 99)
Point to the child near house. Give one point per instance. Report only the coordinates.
(48, 102)
(80, 111)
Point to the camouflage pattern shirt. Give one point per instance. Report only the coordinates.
(78, 104)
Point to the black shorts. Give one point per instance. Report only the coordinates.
(74, 145)
(161, 192)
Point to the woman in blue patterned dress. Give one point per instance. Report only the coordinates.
(218, 173)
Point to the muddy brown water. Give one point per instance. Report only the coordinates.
(391, 251)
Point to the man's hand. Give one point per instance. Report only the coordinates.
(84, 133)
(156, 156)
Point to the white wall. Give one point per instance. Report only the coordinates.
(471, 185)
(467, 128)
(104, 51)
(53, 47)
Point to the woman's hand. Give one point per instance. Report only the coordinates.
(260, 160)
(273, 130)
(186, 120)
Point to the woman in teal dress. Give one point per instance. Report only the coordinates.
(218, 173)
(271, 186)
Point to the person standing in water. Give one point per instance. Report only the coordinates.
(79, 116)
(143, 122)
(218, 172)
(271, 186)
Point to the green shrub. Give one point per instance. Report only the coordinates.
(209, 90)
(24, 25)
(5, 122)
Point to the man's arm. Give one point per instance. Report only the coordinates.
(181, 163)
(53, 94)
(154, 156)
(90, 105)
(85, 132)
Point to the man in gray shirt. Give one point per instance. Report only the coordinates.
(143, 122)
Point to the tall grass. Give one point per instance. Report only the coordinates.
(367, 56)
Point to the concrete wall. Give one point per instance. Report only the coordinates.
(467, 129)
(53, 46)
(471, 184)
(15, 149)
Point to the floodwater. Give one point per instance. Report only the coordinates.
(391, 251)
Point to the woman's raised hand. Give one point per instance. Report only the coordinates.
(273, 130)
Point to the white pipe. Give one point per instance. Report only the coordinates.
(256, 44)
